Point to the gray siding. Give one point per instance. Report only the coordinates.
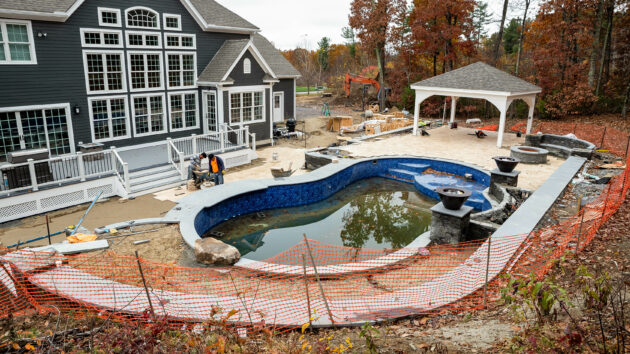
(59, 78)
(241, 79)
(286, 86)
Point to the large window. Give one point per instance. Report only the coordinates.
(181, 70)
(180, 41)
(104, 72)
(148, 114)
(140, 17)
(145, 71)
(184, 112)
(137, 39)
(16, 42)
(247, 107)
(109, 117)
(101, 38)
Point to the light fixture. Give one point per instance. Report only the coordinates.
(42, 34)
(77, 109)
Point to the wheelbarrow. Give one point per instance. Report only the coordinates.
(278, 172)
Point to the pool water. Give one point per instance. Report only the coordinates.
(375, 213)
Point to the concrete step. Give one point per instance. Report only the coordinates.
(404, 174)
(158, 176)
(415, 167)
(151, 171)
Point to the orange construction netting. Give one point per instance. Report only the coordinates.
(351, 286)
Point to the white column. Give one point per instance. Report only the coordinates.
(416, 114)
(453, 108)
(530, 118)
(503, 109)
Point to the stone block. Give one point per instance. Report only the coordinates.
(449, 226)
(505, 178)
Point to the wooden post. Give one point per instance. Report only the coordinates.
(601, 146)
(485, 286)
(321, 288)
(308, 296)
(48, 228)
(579, 235)
(144, 282)
(33, 174)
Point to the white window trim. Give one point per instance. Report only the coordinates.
(183, 93)
(109, 113)
(132, 108)
(168, 84)
(180, 36)
(5, 43)
(206, 110)
(247, 66)
(179, 22)
(141, 27)
(102, 33)
(247, 89)
(146, 79)
(107, 9)
(123, 68)
(144, 39)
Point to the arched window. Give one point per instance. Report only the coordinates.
(247, 66)
(141, 17)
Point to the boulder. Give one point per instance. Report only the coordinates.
(211, 251)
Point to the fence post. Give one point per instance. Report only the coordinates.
(127, 179)
(182, 166)
(31, 170)
(168, 150)
(222, 139)
(254, 142)
(194, 144)
(485, 286)
(246, 133)
(308, 296)
(321, 288)
(81, 163)
(113, 158)
(579, 235)
(575, 129)
(601, 146)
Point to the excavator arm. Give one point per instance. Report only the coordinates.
(360, 79)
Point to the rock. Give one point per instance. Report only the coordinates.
(214, 252)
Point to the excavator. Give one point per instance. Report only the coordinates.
(364, 80)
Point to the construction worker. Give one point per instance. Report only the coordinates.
(195, 164)
(217, 168)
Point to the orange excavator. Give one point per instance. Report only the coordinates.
(363, 80)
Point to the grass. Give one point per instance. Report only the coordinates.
(305, 89)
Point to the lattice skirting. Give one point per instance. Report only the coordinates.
(26, 205)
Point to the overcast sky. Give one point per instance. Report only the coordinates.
(290, 22)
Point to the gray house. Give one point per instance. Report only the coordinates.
(130, 73)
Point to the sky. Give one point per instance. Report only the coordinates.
(289, 23)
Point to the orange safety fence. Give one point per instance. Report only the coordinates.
(287, 292)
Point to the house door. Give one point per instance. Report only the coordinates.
(36, 129)
(211, 123)
(278, 107)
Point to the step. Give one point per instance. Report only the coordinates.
(157, 184)
(406, 174)
(159, 189)
(415, 167)
(154, 177)
(151, 171)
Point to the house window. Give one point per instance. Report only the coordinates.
(247, 66)
(143, 40)
(109, 118)
(247, 107)
(172, 22)
(16, 42)
(104, 72)
(141, 17)
(184, 112)
(145, 71)
(101, 38)
(181, 70)
(180, 41)
(109, 17)
(148, 114)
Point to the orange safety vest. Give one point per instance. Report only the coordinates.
(214, 165)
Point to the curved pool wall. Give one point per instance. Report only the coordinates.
(204, 210)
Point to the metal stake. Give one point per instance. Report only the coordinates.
(601, 146)
(577, 245)
(308, 296)
(321, 289)
(485, 287)
(144, 282)
(48, 229)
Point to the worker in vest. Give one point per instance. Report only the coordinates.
(217, 168)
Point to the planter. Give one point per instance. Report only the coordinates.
(452, 197)
(506, 164)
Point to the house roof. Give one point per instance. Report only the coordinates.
(479, 77)
(278, 63)
(222, 62)
(208, 13)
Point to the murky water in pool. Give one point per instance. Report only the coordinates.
(374, 213)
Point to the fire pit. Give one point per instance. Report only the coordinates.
(506, 164)
(530, 154)
(452, 197)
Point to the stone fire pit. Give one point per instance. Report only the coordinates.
(530, 155)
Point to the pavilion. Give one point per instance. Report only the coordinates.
(478, 80)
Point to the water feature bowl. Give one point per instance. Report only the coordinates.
(506, 164)
(452, 197)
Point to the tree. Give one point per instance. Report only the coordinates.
(480, 18)
(497, 45)
(348, 34)
(322, 53)
(522, 36)
(510, 38)
(375, 22)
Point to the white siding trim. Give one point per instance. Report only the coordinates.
(107, 9)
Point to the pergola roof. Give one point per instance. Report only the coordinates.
(479, 77)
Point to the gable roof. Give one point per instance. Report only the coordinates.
(278, 63)
(220, 65)
(209, 14)
(479, 77)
